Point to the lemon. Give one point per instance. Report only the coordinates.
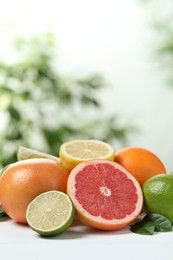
(50, 213)
(158, 195)
(24, 153)
(74, 152)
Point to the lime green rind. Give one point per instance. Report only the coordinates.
(59, 229)
(158, 195)
(24, 153)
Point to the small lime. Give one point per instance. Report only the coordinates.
(158, 195)
(50, 213)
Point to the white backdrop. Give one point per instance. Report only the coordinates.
(113, 38)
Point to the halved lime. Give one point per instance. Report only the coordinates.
(28, 153)
(50, 213)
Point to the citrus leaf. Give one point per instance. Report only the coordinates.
(14, 113)
(143, 228)
(162, 224)
(2, 213)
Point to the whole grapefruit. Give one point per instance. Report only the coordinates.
(23, 181)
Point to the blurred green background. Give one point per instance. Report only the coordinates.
(101, 70)
(42, 109)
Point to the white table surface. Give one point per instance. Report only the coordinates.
(80, 242)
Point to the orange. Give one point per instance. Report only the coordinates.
(23, 181)
(104, 194)
(140, 162)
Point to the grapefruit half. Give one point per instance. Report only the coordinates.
(104, 194)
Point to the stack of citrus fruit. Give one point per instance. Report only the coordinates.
(102, 185)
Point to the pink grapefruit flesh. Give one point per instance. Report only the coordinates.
(104, 194)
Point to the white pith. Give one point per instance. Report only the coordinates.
(105, 191)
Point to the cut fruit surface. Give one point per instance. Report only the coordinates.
(104, 194)
(24, 153)
(74, 152)
(50, 213)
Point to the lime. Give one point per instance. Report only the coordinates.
(50, 213)
(158, 195)
(24, 153)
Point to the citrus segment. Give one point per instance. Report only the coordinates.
(104, 194)
(140, 162)
(77, 151)
(24, 180)
(50, 213)
(24, 153)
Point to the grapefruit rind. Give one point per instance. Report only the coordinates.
(97, 221)
(74, 152)
(50, 213)
(2, 171)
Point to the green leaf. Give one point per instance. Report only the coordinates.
(14, 113)
(24, 95)
(32, 88)
(2, 213)
(92, 82)
(4, 89)
(86, 100)
(162, 224)
(151, 223)
(143, 227)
